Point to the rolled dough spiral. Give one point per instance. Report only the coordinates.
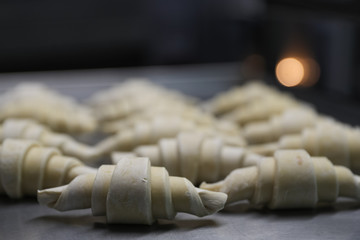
(290, 179)
(133, 192)
(340, 143)
(25, 167)
(29, 129)
(196, 156)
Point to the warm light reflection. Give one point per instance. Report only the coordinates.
(290, 72)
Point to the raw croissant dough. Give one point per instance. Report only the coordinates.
(25, 167)
(133, 192)
(150, 132)
(141, 133)
(36, 101)
(133, 87)
(290, 179)
(238, 97)
(291, 121)
(191, 114)
(28, 129)
(131, 97)
(262, 109)
(195, 156)
(339, 143)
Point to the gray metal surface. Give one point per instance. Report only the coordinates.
(25, 219)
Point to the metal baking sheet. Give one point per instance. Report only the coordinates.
(25, 219)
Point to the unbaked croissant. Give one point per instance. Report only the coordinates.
(262, 109)
(133, 192)
(290, 179)
(149, 132)
(25, 167)
(187, 114)
(238, 97)
(29, 129)
(338, 142)
(131, 97)
(291, 121)
(132, 87)
(195, 156)
(36, 101)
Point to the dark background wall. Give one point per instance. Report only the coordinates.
(39, 34)
(47, 35)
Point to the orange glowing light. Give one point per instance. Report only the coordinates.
(290, 72)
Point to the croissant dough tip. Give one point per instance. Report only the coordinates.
(213, 201)
(49, 197)
(211, 186)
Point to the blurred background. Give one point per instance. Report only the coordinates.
(303, 43)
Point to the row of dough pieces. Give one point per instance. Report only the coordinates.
(290, 179)
(129, 192)
(133, 192)
(64, 114)
(292, 121)
(217, 155)
(147, 132)
(122, 102)
(251, 102)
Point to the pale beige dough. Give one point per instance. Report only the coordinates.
(293, 120)
(133, 192)
(338, 142)
(31, 130)
(26, 166)
(238, 97)
(290, 179)
(196, 156)
(58, 112)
